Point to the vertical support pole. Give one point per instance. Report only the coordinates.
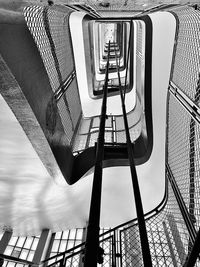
(92, 239)
(114, 250)
(138, 202)
(42, 246)
(5, 241)
(127, 62)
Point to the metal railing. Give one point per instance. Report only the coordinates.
(92, 239)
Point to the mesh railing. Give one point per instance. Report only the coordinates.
(167, 234)
(49, 27)
(187, 64)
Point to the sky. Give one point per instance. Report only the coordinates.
(29, 198)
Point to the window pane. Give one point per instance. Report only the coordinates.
(55, 245)
(24, 254)
(16, 252)
(58, 235)
(13, 241)
(11, 264)
(72, 234)
(28, 242)
(62, 246)
(34, 245)
(65, 234)
(79, 234)
(30, 255)
(70, 244)
(20, 241)
(77, 243)
(8, 250)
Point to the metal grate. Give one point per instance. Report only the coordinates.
(34, 16)
(49, 27)
(167, 234)
(187, 56)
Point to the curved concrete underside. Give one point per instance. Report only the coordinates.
(29, 198)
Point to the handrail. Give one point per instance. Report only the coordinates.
(138, 202)
(18, 260)
(129, 45)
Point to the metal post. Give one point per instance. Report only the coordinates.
(92, 239)
(138, 202)
(127, 62)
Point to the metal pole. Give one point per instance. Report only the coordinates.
(127, 62)
(138, 202)
(92, 239)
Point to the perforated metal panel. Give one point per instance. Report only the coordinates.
(49, 27)
(167, 234)
(187, 63)
(34, 16)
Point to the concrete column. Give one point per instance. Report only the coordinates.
(4, 241)
(42, 246)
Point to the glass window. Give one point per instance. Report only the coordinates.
(28, 242)
(79, 234)
(55, 245)
(72, 234)
(16, 252)
(70, 244)
(34, 245)
(30, 255)
(65, 234)
(77, 243)
(8, 250)
(24, 254)
(62, 245)
(13, 241)
(58, 235)
(11, 264)
(20, 241)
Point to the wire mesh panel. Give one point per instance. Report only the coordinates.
(131, 254)
(183, 136)
(183, 156)
(49, 27)
(167, 235)
(187, 56)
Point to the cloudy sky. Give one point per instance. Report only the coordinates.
(29, 198)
